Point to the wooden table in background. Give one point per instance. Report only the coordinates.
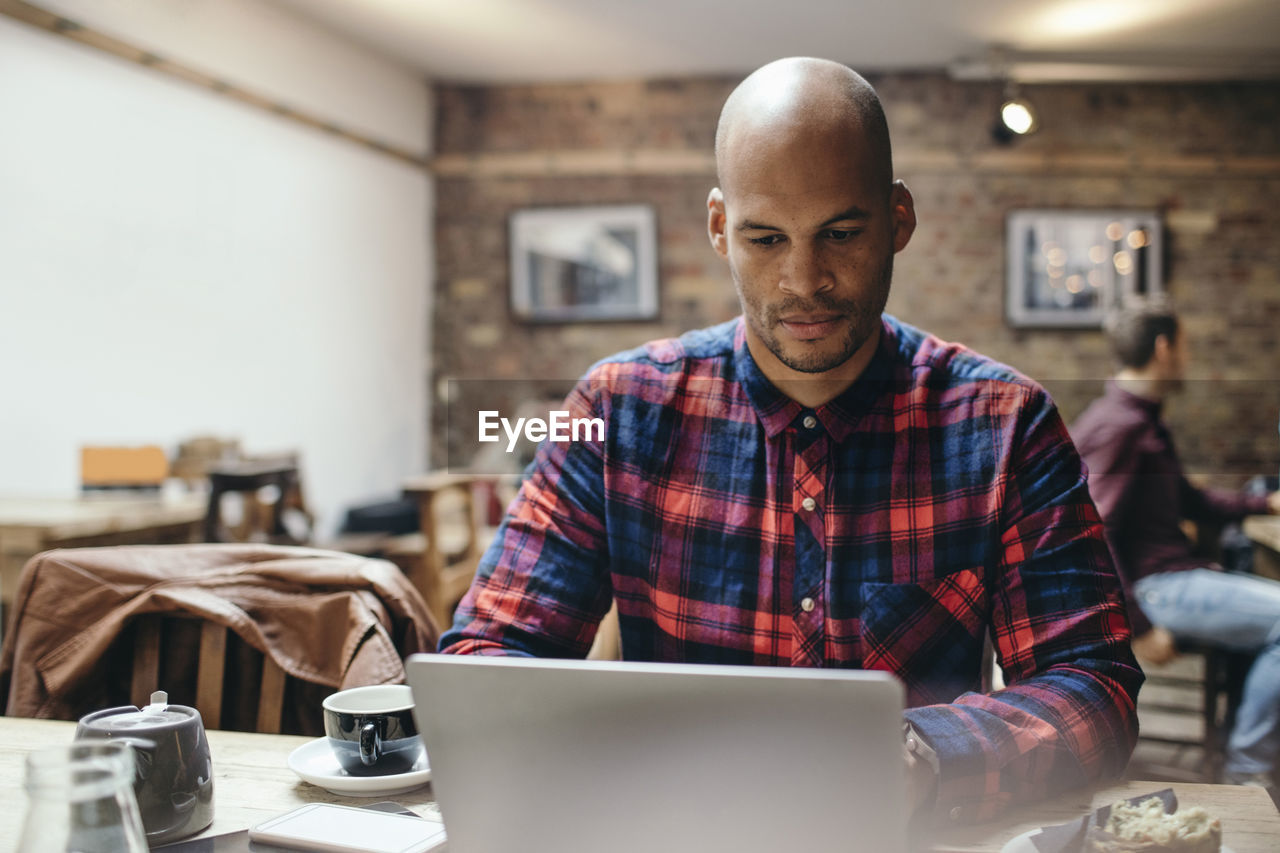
(1264, 530)
(252, 782)
(31, 525)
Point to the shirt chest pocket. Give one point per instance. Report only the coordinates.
(929, 634)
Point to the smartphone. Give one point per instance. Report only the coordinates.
(238, 842)
(343, 829)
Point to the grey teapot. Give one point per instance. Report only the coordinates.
(174, 781)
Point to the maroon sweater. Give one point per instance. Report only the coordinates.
(1136, 480)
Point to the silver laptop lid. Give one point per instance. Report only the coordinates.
(566, 756)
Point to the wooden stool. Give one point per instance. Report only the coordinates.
(261, 522)
(1190, 706)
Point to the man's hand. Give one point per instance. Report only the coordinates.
(1156, 646)
(1273, 503)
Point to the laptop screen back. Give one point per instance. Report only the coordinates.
(566, 756)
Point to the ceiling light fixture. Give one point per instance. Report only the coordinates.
(1018, 117)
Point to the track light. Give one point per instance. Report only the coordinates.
(1017, 118)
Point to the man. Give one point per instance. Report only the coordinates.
(817, 484)
(1137, 481)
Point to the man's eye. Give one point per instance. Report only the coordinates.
(841, 235)
(766, 240)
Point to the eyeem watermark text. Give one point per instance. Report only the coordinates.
(560, 427)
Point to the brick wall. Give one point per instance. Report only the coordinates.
(1207, 156)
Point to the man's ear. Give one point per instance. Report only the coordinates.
(717, 223)
(1162, 349)
(902, 210)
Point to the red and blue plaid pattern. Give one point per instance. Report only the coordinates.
(937, 497)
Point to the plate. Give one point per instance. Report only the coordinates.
(316, 763)
(1023, 844)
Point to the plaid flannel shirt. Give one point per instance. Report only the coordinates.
(937, 498)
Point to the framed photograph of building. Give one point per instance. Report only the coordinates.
(576, 264)
(1071, 268)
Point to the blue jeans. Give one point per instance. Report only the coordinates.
(1239, 613)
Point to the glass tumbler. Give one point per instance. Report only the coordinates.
(80, 798)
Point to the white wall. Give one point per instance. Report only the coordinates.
(175, 263)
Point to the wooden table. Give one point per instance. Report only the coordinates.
(1264, 530)
(252, 780)
(253, 783)
(31, 525)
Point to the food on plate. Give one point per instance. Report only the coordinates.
(1148, 828)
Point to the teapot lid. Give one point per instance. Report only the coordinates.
(158, 713)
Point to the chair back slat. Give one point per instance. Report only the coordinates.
(271, 702)
(211, 668)
(146, 661)
(211, 674)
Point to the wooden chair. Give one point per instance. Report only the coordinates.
(193, 620)
(442, 559)
(198, 454)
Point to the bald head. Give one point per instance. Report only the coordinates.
(797, 97)
(808, 218)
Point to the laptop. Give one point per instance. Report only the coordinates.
(554, 755)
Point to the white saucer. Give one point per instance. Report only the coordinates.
(1023, 844)
(315, 763)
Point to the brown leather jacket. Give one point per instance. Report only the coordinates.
(332, 620)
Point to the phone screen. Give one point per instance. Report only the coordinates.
(323, 826)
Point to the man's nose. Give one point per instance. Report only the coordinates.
(804, 272)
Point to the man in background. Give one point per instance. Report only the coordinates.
(818, 484)
(1138, 483)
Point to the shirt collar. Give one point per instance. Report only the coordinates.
(1128, 399)
(774, 409)
(838, 417)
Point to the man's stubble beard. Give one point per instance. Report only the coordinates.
(859, 331)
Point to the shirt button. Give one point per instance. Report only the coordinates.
(810, 422)
(957, 813)
(808, 504)
(806, 604)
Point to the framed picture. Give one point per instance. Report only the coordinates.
(573, 264)
(1071, 268)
